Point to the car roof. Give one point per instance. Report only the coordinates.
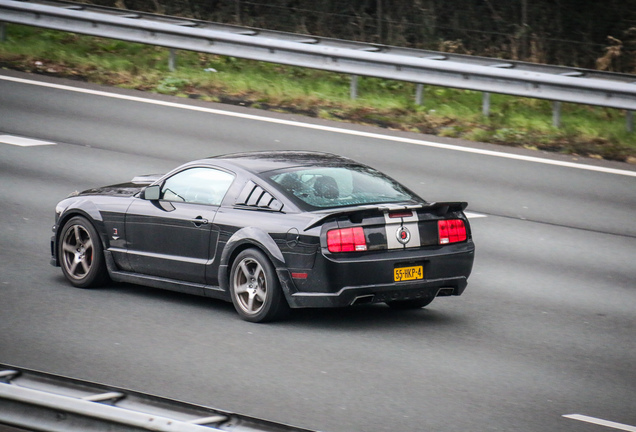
(264, 161)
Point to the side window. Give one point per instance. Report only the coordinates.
(197, 185)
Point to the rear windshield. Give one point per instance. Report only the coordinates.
(325, 187)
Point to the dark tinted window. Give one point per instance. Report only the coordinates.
(325, 187)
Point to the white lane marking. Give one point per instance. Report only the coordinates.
(22, 141)
(601, 422)
(471, 215)
(328, 128)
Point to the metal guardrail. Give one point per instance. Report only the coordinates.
(488, 75)
(40, 401)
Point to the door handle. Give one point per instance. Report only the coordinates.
(199, 220)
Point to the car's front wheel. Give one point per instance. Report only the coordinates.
(255, 289)
(81, 254)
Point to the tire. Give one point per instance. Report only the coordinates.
(255, 288)
(410, 304)
(81, 254)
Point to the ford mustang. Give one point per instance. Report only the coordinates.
(268, 231)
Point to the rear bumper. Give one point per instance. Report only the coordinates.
(350, 296)
(368, 278)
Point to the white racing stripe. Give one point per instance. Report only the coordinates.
(406, 226)
(22, 141)
(601, 422)
(327, 128)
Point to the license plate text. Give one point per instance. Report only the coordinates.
(408, 273)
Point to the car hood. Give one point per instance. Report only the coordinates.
(122, 189)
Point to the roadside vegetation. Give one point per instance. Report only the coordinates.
(585, 130)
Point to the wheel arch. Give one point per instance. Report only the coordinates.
(246, 238)
(89, 212)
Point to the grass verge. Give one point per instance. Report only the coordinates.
(585, 130)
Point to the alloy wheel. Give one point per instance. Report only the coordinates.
(250, 286)
(77, 252)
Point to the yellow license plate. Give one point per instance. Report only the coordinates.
(408, 273)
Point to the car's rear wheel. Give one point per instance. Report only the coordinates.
(255, 289)
(81, 254)
(410, 304)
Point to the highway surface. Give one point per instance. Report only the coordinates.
(545, 329)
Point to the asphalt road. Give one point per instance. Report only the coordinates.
(545, 328)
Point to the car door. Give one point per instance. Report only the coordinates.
(174, 236)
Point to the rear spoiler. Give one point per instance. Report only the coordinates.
(437, 208)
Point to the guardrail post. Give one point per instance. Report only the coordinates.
(629, 121)
(353, 90)
(419, 91)
(556, 114)
(3, 32)
(172, 60)
(485, 104)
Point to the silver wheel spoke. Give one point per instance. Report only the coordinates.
(245, 270)
(258, 272)
(78, 236)
(85, 265)
(66, 247)
(73, 268)
(260, 294)
(250, 303)
(240, 289)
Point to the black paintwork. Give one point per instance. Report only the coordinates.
(169, 245)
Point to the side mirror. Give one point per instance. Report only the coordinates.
(151, 193)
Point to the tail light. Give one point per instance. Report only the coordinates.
(451, 231)
(346, 240)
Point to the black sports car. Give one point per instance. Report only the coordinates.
(268, 231)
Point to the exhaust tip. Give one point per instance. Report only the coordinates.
(363, 299)
(443, 292)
